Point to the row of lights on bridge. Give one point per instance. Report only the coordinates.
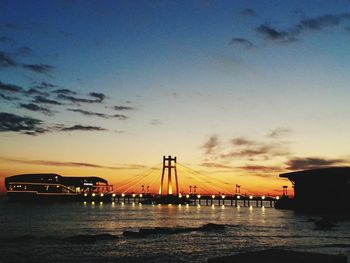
(180, 196)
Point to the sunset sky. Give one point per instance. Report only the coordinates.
(239, 91)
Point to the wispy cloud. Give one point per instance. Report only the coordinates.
(34, 107)
(38, 68)
(45, 85)
(83, 128)
(99, 96)
(248, 12)
(10, 88)
(292, 33)
(242, 42)
(123, 108)
(216, 165)
(41, 99)
(6, 60)
(155, 122)
(313, 162)
(210, 145)
(97, 114)
(75, 164)
(275, 35)
(26, 125)
(64, 91)
(76, 99)
(7, 40)
(279, 132)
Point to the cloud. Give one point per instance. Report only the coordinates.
(122, 108)
(216, 165)
(77, 100)
(261, 168)
(99, 96)
(155, 122)
(38, 68)
(242, 141)
(34, 107)
(120, 116)
(312, 163)
(10, 88)
(320, 22)
(45, 85)
(211, 144)
(246, 148)
(24, 51)
(6, 60)
(245, 43)
(279, 132)
(33, 91)
(41, 99)
(74, 164)
(7, 40)
(248, 12)
(8, 98)
(304, 25)
(275, 35)
(14, 123)
(83, 128)
(64, 91)
(102, 115)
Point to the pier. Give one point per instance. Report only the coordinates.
(171, 194)
(192, 200)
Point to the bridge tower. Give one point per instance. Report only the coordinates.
(169, 164)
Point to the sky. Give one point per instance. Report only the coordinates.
(239, 91)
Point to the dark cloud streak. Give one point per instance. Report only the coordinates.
(83, 128)
(312, 163)
(14, 123)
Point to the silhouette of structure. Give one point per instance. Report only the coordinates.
(169, 163)
(325, 189)
(54, 187)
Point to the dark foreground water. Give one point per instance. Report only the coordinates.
(51, 232)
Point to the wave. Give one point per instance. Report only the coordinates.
(144, 232)
(80, 239)
(77, 239)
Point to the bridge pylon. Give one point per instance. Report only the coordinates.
(169, 164)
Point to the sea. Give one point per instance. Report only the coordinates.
(90, 233)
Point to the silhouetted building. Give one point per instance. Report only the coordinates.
(325, 189)
(53, 186)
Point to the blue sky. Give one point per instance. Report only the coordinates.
(232, 87)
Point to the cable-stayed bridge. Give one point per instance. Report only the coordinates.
(171, 182)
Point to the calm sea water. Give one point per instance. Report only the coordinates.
(43, 232)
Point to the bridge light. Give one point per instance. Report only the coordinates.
(223, 196)
(263, 197)
(213, 196)
(140, 195)
(84, 202)
(101, 195)
(113, 195)
(198, 196)
(238, 197)
(187, 196)
(133, 195)
(92, 202)
(101, 203)
(180, 195)
(123, 195)
(93, 194)
(277, 197)
(85, 194)
(250, 197)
